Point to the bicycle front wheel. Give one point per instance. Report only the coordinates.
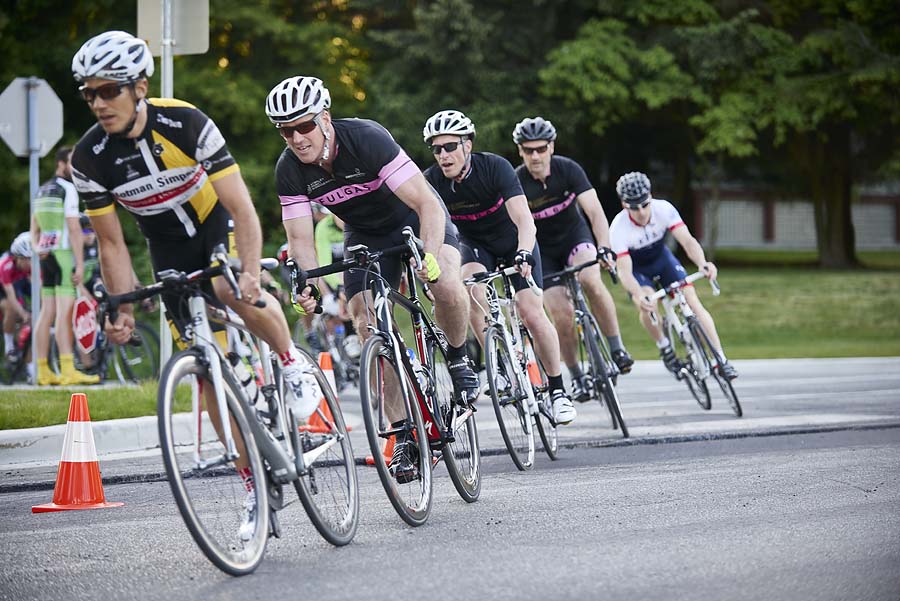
(509, 399)
(461, 452)
(328, 487)
(380, 376)
(139, 358)
(600, 374)
(702, 339)
(226, 513)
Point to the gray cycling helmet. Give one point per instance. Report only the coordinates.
(296, 97)
(534, 128)
(633, 188)
(448, 122)
(21, 246)
(115, 55)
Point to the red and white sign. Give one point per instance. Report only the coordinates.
(84, 323)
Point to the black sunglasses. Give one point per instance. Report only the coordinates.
(106, 91)
(643, 205)
(287, 131)
(449, 147)
(538, 149)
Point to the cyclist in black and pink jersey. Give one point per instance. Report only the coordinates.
(486, 203)
(570, 224)
(356, 169)
(15, 285)
(638, 235)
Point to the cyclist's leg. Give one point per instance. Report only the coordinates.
(602, 305)
(559, 305)
(451, 309)
(50, 278)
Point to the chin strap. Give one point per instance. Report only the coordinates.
(138, 107)
(325, 150)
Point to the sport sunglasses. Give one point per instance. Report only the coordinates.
(287, 131)
(643, 205)
(449, 147)
(106, 91)
(537, 149)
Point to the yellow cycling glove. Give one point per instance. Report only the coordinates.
(431, 265)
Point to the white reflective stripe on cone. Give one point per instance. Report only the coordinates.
(78, 445)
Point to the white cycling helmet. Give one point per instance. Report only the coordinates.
(115, 55)
(295, 97)
(448, 122)
(21, 246)
(633, 188)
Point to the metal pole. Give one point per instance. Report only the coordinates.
(33, 182)
(165, 334)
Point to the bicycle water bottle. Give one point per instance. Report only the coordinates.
(339, 331)
(247, 380)
(417, 368)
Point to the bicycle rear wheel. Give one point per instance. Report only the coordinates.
(380, 374)
(462, 454)
(230, 525)
(328, 487)
(600, 374)
(713, 361)
(508, 398)
(139, 359)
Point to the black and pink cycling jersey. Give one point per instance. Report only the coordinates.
(368, 167)
(553, 202)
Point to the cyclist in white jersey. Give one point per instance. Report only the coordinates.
(637, 236)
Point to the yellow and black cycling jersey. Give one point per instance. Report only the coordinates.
(164, 176)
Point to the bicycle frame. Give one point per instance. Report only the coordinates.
(677, 313)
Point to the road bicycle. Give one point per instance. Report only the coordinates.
(417, 376)
(330, 336)
(229, 519)
(701, 360)
(516, 379)
(593, 350)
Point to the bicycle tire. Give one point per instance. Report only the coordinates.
(212, 525)
(543, 419)
(139, 361)
(508, 399)
(600, 373)
(14, 371)
(713, 357)
(329, 489)
(462, 455)
(376, 360)
(695, 382)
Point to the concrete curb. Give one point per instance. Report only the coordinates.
(161, 476)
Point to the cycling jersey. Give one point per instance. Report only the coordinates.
(368, 167)
(644, 242)
(476, 203)
(164, 176)
(553, 202)
(11, 275)
(56, 200)
(330, 247)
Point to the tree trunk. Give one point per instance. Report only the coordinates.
(828, 172)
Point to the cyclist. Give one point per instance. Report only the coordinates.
(637, 235)
(570, 224)
(56, 234)
(15, 286)
(356, 169)
(486, 202)
(167, 163)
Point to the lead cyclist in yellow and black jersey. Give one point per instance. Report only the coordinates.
(167, 163)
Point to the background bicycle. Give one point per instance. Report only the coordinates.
(228, 475)
(700, 358)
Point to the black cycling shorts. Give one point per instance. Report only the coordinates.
(490, 256)
(355, 280)
(190, 255)
(556, 257)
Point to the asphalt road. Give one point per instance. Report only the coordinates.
(812, 516)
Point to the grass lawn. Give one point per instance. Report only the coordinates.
(763, 312)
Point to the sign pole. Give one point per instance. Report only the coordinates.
(33, 182)
(165, 334)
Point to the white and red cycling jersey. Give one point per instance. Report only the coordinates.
(644, 243)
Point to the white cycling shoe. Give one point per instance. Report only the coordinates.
(563, 410)
(301, 389)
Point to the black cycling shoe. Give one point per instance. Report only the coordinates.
(580, 392)
(404, 464)
(727, 371)
(622, 360)
(673, 364)
(465, 381)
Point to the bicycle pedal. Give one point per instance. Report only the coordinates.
(274, 525)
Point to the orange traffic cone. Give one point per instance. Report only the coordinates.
(388, 452)
(78, 484)
(320, 420)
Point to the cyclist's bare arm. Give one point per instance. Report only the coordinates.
(35, 234)
(593, 210)
(520, 214)
(76, 243)
(419, 196)
(115, 265)
(302, 248)
(694, 251)
(626, 276)
(12, 302)
(234, 196)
